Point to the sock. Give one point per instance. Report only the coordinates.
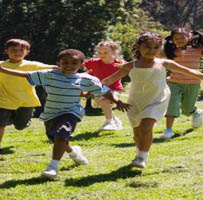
(54, 163)
(169, 130)
(143, 154)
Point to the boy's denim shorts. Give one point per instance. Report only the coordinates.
(62, 126)
(184, 97)
(20, 118)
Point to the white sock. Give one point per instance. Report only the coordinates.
(54, 163)
(143, 154)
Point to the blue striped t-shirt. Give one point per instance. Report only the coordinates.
(63, 91)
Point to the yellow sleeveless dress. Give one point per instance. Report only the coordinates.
(149, 94)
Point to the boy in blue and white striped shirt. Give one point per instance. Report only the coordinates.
(63, 109)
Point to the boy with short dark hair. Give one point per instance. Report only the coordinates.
(63, 109)
(17, 96)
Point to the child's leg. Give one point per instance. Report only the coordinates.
(5, 120)
(22, 117)
(143, 137)
(106, 107)
(59, 148)
(173, 110)
(190, 95)
(2, 129)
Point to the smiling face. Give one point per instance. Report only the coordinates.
(150, 49)
(106, 54)
(16, 53)
(180, 40)
(69, 64)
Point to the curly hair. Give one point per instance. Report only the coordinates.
(143, 37)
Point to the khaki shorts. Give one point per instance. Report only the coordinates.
(184, 97)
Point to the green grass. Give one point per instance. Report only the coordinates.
(174, 170)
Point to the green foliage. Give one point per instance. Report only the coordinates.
(51, 25)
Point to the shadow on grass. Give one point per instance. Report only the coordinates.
(124, 145)
(88, 135)
(121, 173)
(93, 112)
(187, 131)
(7, 150)
(31, 181)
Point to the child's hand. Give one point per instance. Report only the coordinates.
(86, 95)
(122, 106)
(89, 71)
(119, 65)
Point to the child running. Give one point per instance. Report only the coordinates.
(17, 96)
(103, 66)
(149, 94)
(185, 48)
(63, 109)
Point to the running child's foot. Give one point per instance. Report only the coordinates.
(197, 119)
(118, 123)
(109, 125)
(138, 162)
(168, 133)
(77, 156)
(50, 172)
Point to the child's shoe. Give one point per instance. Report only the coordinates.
(138, 162)
(197, 119)
(50, 172)
(118, 123)
(168, 133)
(109, 125)
(77, 156)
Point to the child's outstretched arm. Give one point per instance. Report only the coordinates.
(119, 74)
(14, 72)
(120, 105)
(173, 66)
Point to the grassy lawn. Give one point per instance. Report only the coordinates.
(174, 170)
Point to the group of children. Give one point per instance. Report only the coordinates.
(150, 97)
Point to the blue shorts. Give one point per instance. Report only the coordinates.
(20, 118)
(62, 126)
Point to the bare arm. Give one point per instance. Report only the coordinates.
(14, 72)
(120, 105)
(173, 66)
(119, 74)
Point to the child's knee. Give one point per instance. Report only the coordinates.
(145, 129)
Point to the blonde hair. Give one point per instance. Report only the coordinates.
(112, 45)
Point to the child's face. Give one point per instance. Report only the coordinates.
(69, 64)
(150, 49)
(180, 40)
(16, 53)
(106, 54)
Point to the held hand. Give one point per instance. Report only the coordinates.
(122, 106)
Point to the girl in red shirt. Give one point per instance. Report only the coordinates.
(108, 54)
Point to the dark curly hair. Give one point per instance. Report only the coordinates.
(143, 37)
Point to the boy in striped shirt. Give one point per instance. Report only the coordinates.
(63, 109)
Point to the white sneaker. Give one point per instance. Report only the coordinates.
(77, 156)
(197, 119)
(50, 172)
(138, 162)
(109, 125)
(167, 135)
(118, 123)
